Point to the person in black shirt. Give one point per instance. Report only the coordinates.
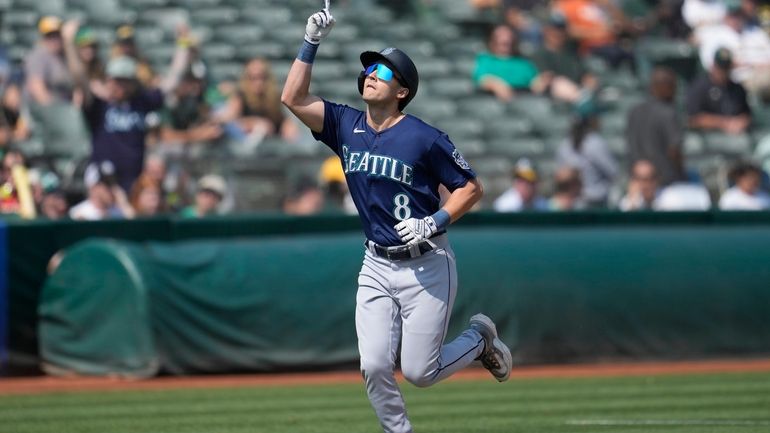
(716, 102)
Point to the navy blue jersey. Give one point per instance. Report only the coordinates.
(393, 174)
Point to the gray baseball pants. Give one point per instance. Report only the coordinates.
(406, 304)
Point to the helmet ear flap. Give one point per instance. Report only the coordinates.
(361, 80)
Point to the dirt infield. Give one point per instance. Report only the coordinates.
(47, 384)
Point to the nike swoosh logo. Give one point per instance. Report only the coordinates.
(358, 131)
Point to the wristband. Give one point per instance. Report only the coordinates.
(441, 218)
(307, 52)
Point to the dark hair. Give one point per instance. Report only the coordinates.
(515, 50)
(742, 169)
(580, 128)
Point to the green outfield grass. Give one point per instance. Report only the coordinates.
(689, 403)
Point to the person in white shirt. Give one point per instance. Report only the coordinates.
(746, 193)
(522, 195)
(683, 196)
(749, 45)
(698, 13)
(105, 200)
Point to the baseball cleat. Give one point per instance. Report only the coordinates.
(496, 356)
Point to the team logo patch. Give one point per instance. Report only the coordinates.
(460, 161)
(387, 51)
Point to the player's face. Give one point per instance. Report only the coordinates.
(381, 85)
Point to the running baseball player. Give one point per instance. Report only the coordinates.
(394, 164)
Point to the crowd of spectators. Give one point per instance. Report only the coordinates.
(140, 127)
(542, 48)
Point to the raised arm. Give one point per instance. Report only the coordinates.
(75, 66)
(296, 92)
(179, 62)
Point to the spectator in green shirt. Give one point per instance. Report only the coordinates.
(502, 70)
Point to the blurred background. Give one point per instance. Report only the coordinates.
(574, 113)
(133, 108)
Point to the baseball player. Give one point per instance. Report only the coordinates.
(394, 164)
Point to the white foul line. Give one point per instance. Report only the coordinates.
(668, 422)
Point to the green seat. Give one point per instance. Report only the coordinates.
(517, 147)
(727, 144)
(482, 106)
(61, 129)
(239, 33)
(435, 68)
(48, 7)
(269, 50)
(332, 89)
(471, 147)
(331, 70)
(433, 108)
(20, 18)
(693, 144)
(509, 127)
(164, 18)
(218, 52)
(613, 122)
(214, 16)
(452, 87)
(225, 70)
(143, 4)
(461, 128)
(268, 16)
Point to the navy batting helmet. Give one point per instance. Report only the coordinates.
(401, 63)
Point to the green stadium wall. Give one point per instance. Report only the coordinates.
(271, 293)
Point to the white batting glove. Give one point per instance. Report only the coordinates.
(318, 26)
(415, 230)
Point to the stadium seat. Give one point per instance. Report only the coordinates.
(470, 147)
(482, 106)
(218, 52)
(267, 16)
(217, 16)
(452, 87)
(693, 144)
(238, 33)
(165, 18)
(269, 50)
(727, 144)
(432, 108)
(613, 122)
(460, 128)
(46, 7)
(20, 18)
(509, 128)
(225, 70)
(517, 147)
(342, 87)
(435, 68)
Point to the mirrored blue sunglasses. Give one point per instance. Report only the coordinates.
(384, 73)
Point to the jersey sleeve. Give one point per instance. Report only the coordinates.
(333, 116)
(448, 164)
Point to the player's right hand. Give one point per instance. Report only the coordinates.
(318, 26)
